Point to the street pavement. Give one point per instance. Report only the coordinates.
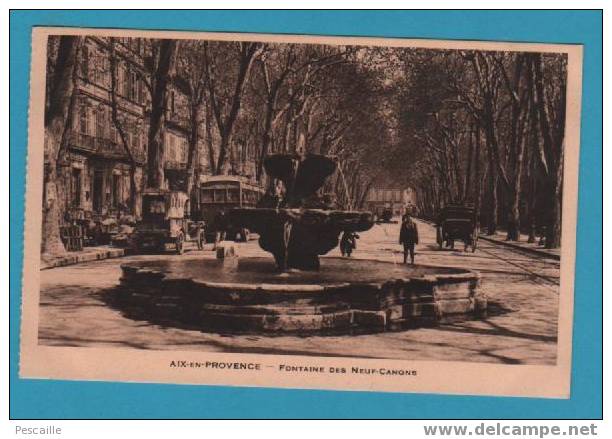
(521, 327)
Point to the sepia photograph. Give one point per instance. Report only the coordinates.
(296, 211)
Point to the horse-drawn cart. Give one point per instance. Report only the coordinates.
(457, 222)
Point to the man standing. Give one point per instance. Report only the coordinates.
(409, 237)
(220, 227)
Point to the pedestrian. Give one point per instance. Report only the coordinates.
(409, 237)
(348, 243)
(220, 226)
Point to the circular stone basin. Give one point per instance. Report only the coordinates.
(249, 295)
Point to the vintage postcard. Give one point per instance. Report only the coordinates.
(301, 211)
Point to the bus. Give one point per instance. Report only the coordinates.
(224, 192)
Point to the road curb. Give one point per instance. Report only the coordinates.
(79, 258)
(533, 251)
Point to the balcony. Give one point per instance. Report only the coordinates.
(102, 147)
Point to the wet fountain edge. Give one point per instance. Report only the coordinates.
(397, 303)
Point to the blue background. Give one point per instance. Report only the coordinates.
(65, 399)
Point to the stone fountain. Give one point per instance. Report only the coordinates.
(295, 223)
(296, 292)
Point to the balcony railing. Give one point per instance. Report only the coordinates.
(103, 147)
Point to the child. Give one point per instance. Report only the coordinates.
(348, 243)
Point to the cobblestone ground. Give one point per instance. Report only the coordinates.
(521, 327)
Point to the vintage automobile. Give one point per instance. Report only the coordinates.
(387, 215)
(165, 221)
(457, 222)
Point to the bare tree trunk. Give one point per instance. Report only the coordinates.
(248, 53)
(119, 126)
(493, 206)
(267, 135)
(209, 140)
(553, 238)
(468, 167)
(552, 147)
(514, 222)
(192, 153)
(57, 120)
(477, 177)
(160, 81)
(532, 186)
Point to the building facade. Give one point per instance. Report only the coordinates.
(398, 200)
(97, 162)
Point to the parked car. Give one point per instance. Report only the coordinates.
(386, 216)
(164, 221)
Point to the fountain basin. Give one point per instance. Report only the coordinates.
(297, 236)
(249, 295)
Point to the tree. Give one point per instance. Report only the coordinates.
(120, 124)
(550, 83)
(288, 75)
(161, 64)
(192, 71)
(514, 106)
(63, 71)
(227, 70)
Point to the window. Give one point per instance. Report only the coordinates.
(100, 69)
(132, 85)
(182, 153)
(75, 188)
(136, 140)
(107, 72)
(101, 123)
(207, 196)
(141, 98)
(85, 61)
(233, 195)
(220, 195)
(171, 148)
(128, 135)
(124, 81)
(157, 206)
(171, 103)
(114, 135)
(83, 119)
(116, 190)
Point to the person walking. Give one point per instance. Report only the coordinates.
(348, 243)
(220, 227)
(409, 237)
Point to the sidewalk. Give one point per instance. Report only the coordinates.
(87, 255)
(523, 245)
